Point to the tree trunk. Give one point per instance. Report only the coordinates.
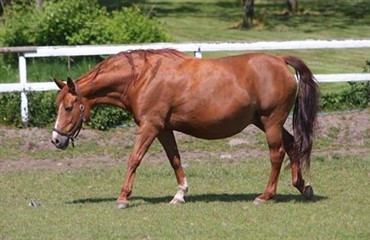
(248, 9)
(292, 6)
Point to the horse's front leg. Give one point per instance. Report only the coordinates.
(167, 139)
(144, 139)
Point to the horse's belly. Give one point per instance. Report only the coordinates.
(215, 126)
(214, 133)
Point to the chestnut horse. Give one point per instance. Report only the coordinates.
(166, 91)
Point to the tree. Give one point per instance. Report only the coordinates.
(248, 9)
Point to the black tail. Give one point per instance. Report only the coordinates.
(305, 111)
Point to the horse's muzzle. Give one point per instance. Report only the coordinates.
(60, 141)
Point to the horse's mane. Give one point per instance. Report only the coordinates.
(94, 72)
(98, 68)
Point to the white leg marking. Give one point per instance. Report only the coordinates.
(181, 193)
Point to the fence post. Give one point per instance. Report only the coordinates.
(23, 81)
(198, 53)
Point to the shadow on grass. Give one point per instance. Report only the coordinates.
(279, 198)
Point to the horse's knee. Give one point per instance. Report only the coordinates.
(133, 163)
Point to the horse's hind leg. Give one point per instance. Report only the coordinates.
(297, 178)
(274, 138)
(167, 139)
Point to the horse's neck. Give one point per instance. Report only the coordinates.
(106, 88)
(111, 84)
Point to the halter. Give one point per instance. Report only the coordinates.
(72, 135)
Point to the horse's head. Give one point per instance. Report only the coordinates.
(72, 113)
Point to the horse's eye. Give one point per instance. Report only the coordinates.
(68, 108)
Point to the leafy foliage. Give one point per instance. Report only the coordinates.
(357, 96)
(10, 109)
(72, 22)
(41, 108)
(76, 22)
(130, 25)
(105, 117)
(20, 22)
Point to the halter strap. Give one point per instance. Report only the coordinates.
(72, 135)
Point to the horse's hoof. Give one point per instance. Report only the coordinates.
(177, 201)
(259, 201)
(308, 192)
(122, 205)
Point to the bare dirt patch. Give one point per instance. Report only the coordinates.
(342, 133)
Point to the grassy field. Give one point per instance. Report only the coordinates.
(77, 188)
(79, 203)
(211, 20)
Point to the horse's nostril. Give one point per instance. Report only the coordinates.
(55, 142)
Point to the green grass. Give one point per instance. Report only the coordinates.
(79, 203)
(212, 20)
(43, 69)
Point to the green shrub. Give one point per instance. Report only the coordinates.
(10, 109)
(20, 23)
(78, 22)
(357, 96)
(72, 22)
(130, 25)
(104, 117)
(41, 108)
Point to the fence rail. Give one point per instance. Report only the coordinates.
(197, 48)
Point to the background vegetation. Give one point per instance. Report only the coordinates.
(76, 22)
(101, 22)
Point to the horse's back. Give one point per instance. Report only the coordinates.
(256, 78)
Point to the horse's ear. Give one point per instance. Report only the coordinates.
(71, 85)
(59, 83)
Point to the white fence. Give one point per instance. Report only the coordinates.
(197, 48)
